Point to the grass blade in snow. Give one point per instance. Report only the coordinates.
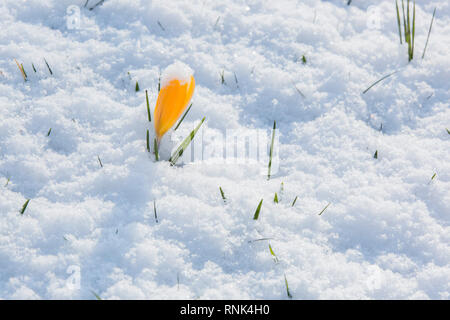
(154, 210)
(49, 69)
(275, 258)
(262, 239)
(398, 22)
(299, 92)
(24, 207)
(258, 209)
(409, 26)
(183, 146)
(287, 287)
(323, 210)
(148, 107)
(271, 149)
(182, 118)
(275, 199)
(148, 141)
(378, 81)
(97, 4)
(22, 70)
(223, 195)
(413, 31)
(159, 82)
(96, 295)
(295, 200)
(429, 31)
(432, 178)
(405, 33)
(155, 147)
(222, 77)
(161, 26)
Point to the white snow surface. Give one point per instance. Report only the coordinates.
(386, 233)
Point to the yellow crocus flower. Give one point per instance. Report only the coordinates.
(173, 99)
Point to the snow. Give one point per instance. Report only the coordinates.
(176, 71)
(87, 228)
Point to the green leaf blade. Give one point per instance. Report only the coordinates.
(258, 209)
(271, 150)
(182, 118)
(287, 287)
(148, 107)
(223, 195)
(295, 200)
(186, 142)
(323, 210)
(24, 207)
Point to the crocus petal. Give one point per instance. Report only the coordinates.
(173, 98)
